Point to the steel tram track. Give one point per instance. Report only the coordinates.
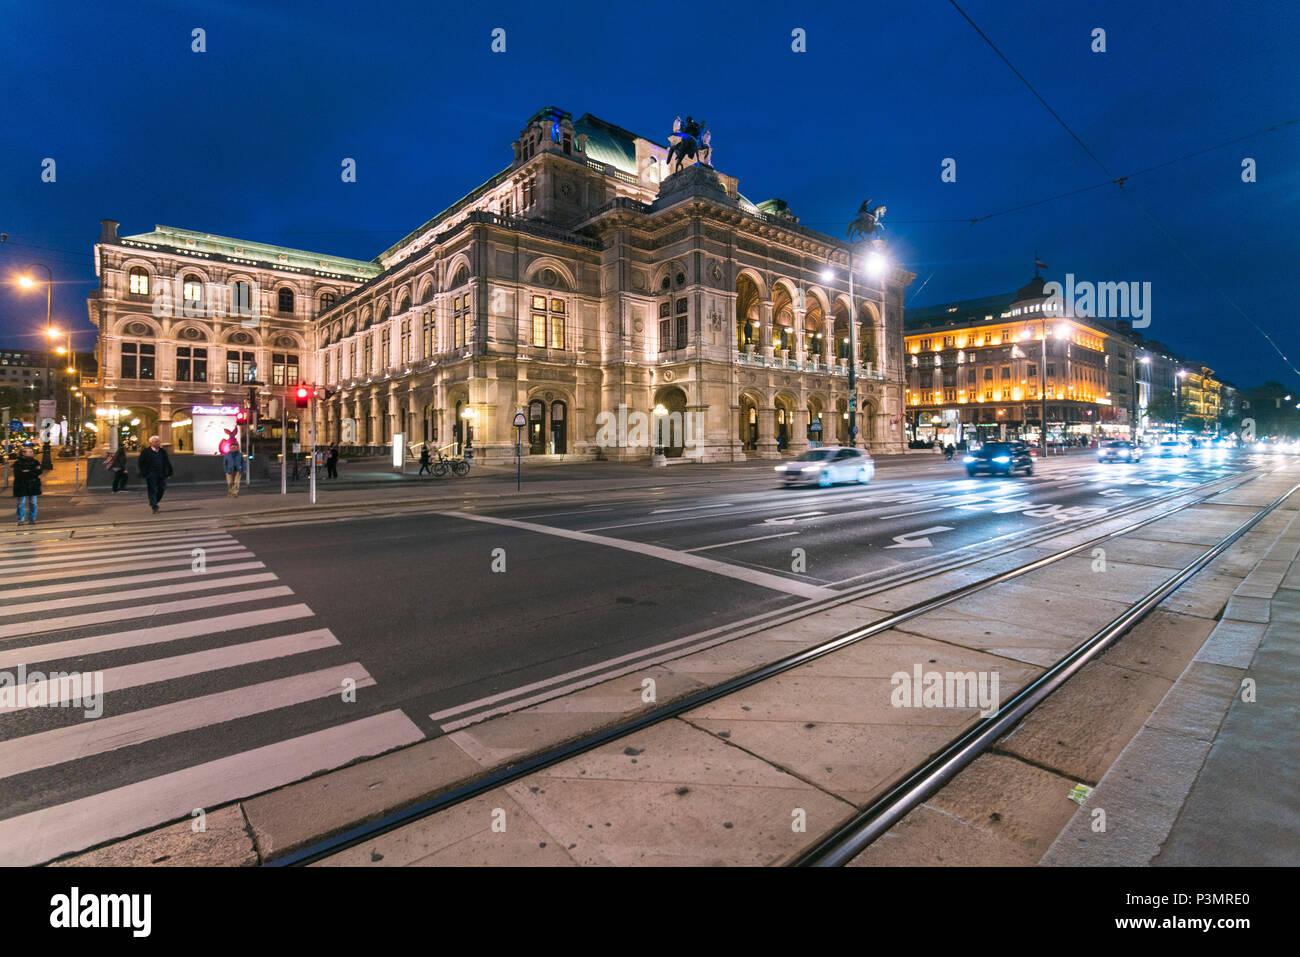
(913, 787)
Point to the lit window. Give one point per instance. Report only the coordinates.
(139, 282)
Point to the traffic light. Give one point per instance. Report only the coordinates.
(302, 396)
(241, 417)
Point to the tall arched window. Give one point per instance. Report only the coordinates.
(242, 304)
(327, 300)
(139, 281)
(286, 300)
(193, 291)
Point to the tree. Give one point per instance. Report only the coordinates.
(1162, 408)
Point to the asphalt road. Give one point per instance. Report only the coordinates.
(438, 616)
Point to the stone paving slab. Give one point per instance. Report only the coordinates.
(224, 842)
(980, 819)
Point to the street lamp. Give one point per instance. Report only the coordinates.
(659, 412)
(1178, 401)
(468, 446)
(875, 267)
(27, 282)
(1137, 411)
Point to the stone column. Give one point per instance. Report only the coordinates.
(765, 317)
(767, 431)
(799, 430)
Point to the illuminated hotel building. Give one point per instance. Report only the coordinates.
(979, 366)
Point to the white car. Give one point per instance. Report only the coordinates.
(828, 465)
(1172, 448)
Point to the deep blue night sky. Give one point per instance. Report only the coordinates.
(246, 139)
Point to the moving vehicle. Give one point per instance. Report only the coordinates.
(826, 466)
(1172, 448)
(1000, 458)
(1119, 451)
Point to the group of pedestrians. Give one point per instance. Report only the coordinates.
(153, 465)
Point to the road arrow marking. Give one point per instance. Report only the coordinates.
(918, 539)
(1111, 491)
(790, 519)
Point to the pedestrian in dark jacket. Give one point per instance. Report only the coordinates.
(117, 465)
(27, 485)
(424, 460)
(332, 463)
(155, 469)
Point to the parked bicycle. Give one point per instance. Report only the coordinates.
(459, 467)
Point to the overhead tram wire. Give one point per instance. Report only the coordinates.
(1119, 181)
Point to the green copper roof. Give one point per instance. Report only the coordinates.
(607, 143)
(259, 252)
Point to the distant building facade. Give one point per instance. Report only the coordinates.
(587, 284)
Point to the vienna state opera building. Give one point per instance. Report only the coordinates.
(588, 284)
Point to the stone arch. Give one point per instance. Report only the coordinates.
(672, 437)
(190, 331)
(784, 298)
(748, 311)
(750, 420)
(129, 326)
(816, 406)
(840, 347)
(785, 419)
(869, 422)
(288, 340)
(403, 298)
(426, 289)
(365, 320)
(868, 338)
(350, 325)
(564, 277)
(669, 272)
(452, 271)
(841, 418)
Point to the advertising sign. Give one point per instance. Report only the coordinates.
(211, 422)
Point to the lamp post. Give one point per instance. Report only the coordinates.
(1178, 401)
(467, 450)
(27, 282)
(876, 266)
(660, 413)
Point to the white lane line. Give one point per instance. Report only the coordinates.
(81, 570)
(53, 692)
(689, 508)
(743, 541)
(198, 583)
(39, 836)
(33, 627)
(1061, 488)
(762, 579)
(117, 553)
(72, 742)
(136, 637)
(213, 569)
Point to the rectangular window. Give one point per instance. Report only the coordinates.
(240, 367)
(277, 369)
(950, 395)
(988, 395)
(191, 364)
(325, 369)
(1051, 370)
(284, 369)
(139, 283)
(368, 356)
(460, 320)
(406, 341)
(1006, 372)
(539, 330)
(427, 334)
(665, 333)
(1033, 370)
(557, 332)
(988, 373)
(970, 376)
(385, 349)
(130, 360)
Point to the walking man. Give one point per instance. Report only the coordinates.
(155, 468)
(27, 485)
(332, 463)
(233, 464)
(424, 461)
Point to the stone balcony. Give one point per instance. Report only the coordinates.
(865, 370)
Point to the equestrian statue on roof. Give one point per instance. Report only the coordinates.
(689, 140)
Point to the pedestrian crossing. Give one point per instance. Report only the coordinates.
(213, 682)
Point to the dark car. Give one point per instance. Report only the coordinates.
(1000, 458)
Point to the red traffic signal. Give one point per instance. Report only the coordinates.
(302, 395)
(241, 417)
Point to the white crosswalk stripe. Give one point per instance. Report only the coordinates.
(223, 688)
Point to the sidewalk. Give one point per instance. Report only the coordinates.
(1211, 777)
